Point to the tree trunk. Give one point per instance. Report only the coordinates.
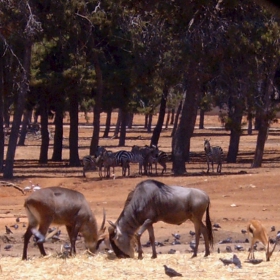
(257, 162)
(172, 116)
(150, 120)
(184, 132)
(159, 125)
(167, 119)
(2, 137)
(201, 119)
(58, 133)
(25, 123)
(124, 115)
(19, 107)
(179, 109)
(250, 122)
(107, 124)
(117, 128)
(146, 121)
(98, 104)
(74, 134)
(44, 129)
(235, 132)
(130, 120)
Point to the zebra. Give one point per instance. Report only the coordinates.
(213, 154)
(162, 158)
(139, 155)
(89, 163)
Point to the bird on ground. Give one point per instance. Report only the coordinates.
(236, 261)
(238, 248)
(17, 220)
(244, 231)
(254, 261)
(8, 230)
(216, 226)
(226, 261)
(176, 235)
(273, 228)
(176, 242)
(8, 247)
(15, 226)
(228, 249)
(227, 240)
(171, 251)
(192, 233)
(171, 272)
(192, 245)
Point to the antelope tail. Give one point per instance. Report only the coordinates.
(209, 226)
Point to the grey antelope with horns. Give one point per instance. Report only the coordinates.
(152, 201)
(64, 207)
(257, 232)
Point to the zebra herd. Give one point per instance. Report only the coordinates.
(146, 157)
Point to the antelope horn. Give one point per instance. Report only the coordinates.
(103, 222)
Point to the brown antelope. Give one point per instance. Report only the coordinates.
(257, 232)
(64, 207)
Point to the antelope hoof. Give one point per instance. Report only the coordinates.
(194, 255)
(154, 257)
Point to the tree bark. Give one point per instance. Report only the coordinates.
(43, 159)
(19, 107)
(159, 125)
(184, 132)
(117, 128)
(201, 119)
(2, 137)
(25, 123)
(58, 133)
(98, 104)
(124, 115)
(167, 119)
(179, 109)
(74, 134)
(107, 124)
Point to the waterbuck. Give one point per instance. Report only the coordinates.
(64, 207)
(152, 201)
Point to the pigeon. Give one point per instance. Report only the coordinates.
(171, 272)
(192, 245)
(176, 242)
(226, 261)
(236, 261)
(176, 235)
(278, 236)
(227, 240)
(238, 248)
(273, 228)
(67, 246)
(216, 226)
(192, 233)
(8, 247)
(15, 226)
(8, 230)
(244, 231)
(17, 220)
(254, 261)
(171, 251)
(228, 249)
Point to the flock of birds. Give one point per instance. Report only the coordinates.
(54, 234)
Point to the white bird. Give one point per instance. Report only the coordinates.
(36, 188)
(27, 189)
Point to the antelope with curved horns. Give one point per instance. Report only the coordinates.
(257, 232)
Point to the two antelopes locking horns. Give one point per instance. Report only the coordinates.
(151, 201)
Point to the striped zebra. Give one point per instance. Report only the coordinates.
(162, 158)
(213, 154)
(140, 155)
(89, 163)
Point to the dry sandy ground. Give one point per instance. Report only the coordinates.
(237, 196)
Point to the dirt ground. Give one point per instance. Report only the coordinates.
(239, 194)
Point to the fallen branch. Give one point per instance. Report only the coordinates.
(8, 184)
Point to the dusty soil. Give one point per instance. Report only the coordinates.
(239, 194)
